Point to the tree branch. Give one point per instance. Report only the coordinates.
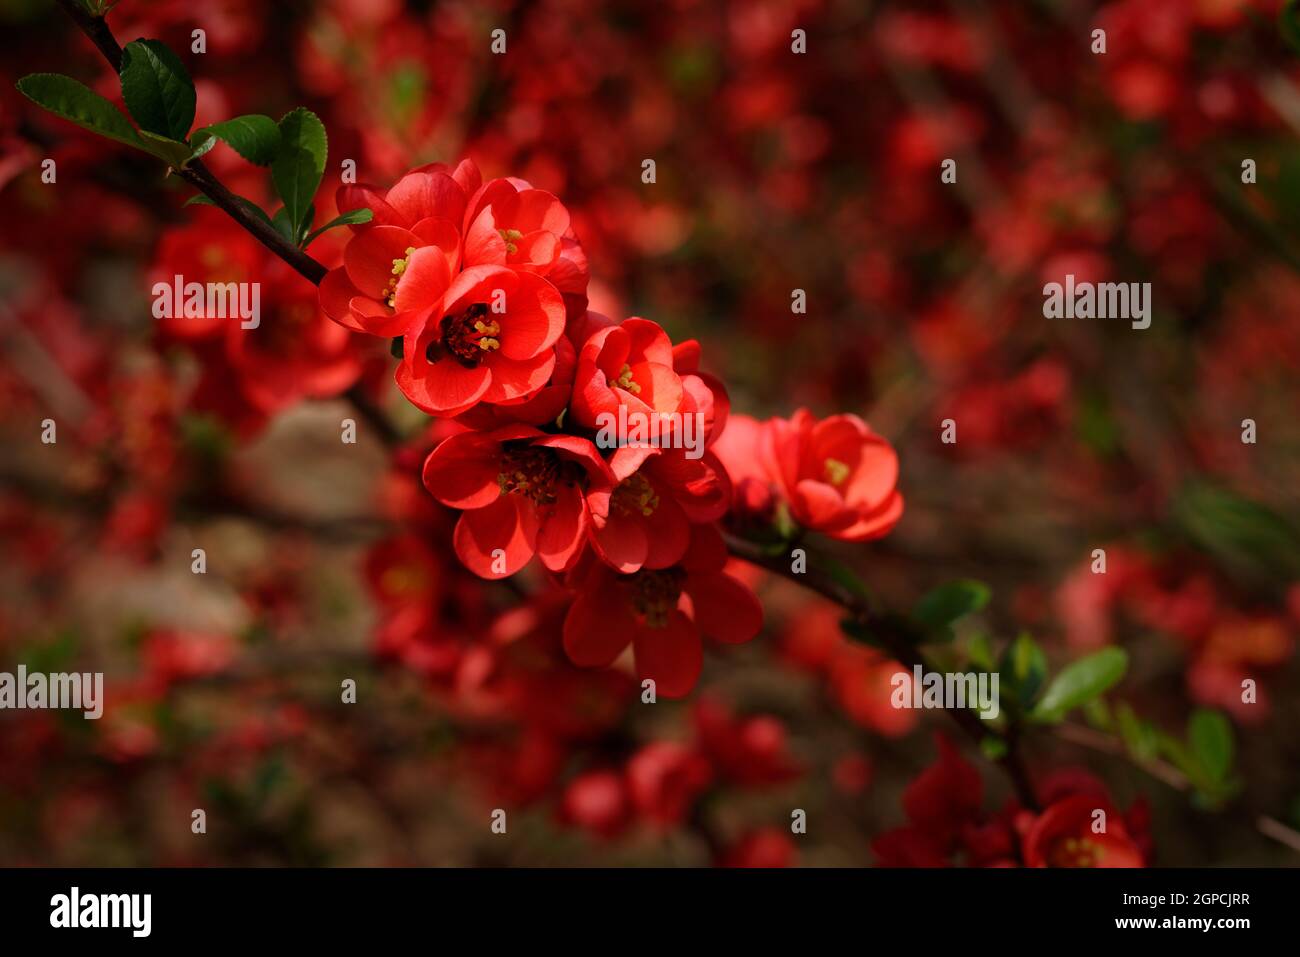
(900, 645)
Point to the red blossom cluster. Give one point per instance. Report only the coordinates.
(484, 286)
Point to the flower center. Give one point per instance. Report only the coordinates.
(399, 269)
(1075, 852)
(531, 472)
(836, 471)
(624, 380)
(635, 494)
(466, 336)
(511, 237)
(655, 594)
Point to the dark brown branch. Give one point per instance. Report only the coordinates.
(898, 642)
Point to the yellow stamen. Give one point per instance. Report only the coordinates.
(510, 236)
(487, 330)
(836, 471)
(624, 380)
(399, 269)
(635, 494)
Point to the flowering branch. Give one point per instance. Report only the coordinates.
(889, 631)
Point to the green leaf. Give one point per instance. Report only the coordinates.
(157, 89)
(1079, 682)
(942, 606)
(299, 166)
(1245, 536)
(254, 137)
(1026, 665)
(355, 217)
(1209, 736)
(74, 101)
(282, 223)
(175, 154)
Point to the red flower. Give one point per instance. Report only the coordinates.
(491, 338)
(294, 352)
(766, 847)
(750, 751)
(401, 262)
(664, 779)
(661, 613)
(835, 476)
(1063, 836)
(627, 364)
(645, 520)
(391, 276)
(523, 492)
(510, 223)
(596, 801)
(433, 191)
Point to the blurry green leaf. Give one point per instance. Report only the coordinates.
(1025, 665)
(1096, 426)
(1242, 534)
(993, 747)
(254, 137)
(1210, 740)
(1139, 737)
(844, 576)
(1097, 713)
(1081, 681)
(942, 606)
(355, 217)
(54, 655)
(74, 101)
(299, 166)
(1288, 23)
(157, 89)
(979, 652)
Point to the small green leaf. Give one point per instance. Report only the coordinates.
(942, 606)
(74, 101)
(171, 152)
(299, 166)
(1025, 665)
(993, 747)
(355, 217)
(1079, 682)
(157, 89)
(1209, 737)
(254, 137)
